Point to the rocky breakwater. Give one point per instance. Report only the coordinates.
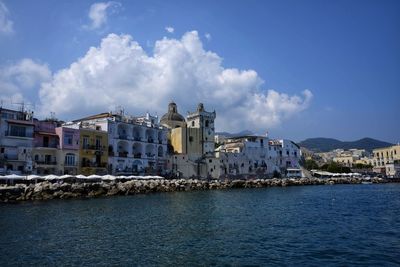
(77, 189)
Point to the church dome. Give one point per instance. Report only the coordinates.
(172, 115)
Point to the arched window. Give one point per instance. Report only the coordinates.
(192, 123)
(206, 123)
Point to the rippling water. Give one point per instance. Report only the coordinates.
(308, 225)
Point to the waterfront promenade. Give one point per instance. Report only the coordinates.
(75, 187)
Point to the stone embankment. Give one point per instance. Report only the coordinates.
(65, 190)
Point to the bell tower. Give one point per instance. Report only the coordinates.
(204, 121)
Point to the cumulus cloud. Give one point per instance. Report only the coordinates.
(21, 81)
(120, 72)
(6, 25)
(169, 29)
(98, 14)
(208, 36)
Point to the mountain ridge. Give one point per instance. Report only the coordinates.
(322, 144)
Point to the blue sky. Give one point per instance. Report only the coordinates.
(252, 62)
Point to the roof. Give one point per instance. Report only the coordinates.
(172, 114)
(21, 122)
(96, 116)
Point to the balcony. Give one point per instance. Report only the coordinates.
(123, 136)
(94, 164)
(137, 155)
(150, 140)
(45, 162)
(137, 138)
(150, 155)
(94, 147)
(10, 157)
(123, 154)
(16, 134)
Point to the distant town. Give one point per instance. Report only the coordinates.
(171, 146)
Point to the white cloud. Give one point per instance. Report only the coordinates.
(22, 80)
(98, 14)
(208, 36)
(169, 29)
(6, 25)
(120, 72)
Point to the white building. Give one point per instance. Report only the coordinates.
(16, 141)
(137, 145)
(247, 155)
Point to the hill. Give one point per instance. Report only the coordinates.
(328, 144)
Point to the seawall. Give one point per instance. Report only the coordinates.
(47, 190)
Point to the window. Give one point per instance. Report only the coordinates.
(207, 123)
(69, 159)
(192, 123)
(68, 138)
(2, 150)
(98, 142)
(190, 138)
(16, 130)
(85, 142)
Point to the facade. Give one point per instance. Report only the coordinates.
(386, 156)
(45, 148)
(257, 155)
(93, 153)
(68, 152)
(192, 143)
(16, 141)
(136, 145)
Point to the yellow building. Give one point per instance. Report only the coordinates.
(93, 152)
(385, 156)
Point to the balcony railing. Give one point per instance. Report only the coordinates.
(67, 164)
(123, 154)
(13, 134)
(94, 147)
(45, 162)
(123, 136)
(137, 138)
(137, 155)
(94, 165)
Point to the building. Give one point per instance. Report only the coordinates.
(258, 155)
(136, 145)
(386, 156)
(68, 152)
(192, 142)
(16, 141)
(93, 152)
(45, 147)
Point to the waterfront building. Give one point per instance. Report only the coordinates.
(68, 152)
(93, 153)
(16, 141)
(192, 142)
(249, 155)
(45, 147)
(136, 145)
(386, 159)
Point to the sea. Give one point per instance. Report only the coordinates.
(329, 225)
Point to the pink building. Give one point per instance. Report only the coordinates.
(68, 152)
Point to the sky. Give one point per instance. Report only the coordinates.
(292, 69)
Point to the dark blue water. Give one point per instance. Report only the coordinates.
(309, 225)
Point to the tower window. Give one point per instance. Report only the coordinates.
(207, 123)
(192, 123)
